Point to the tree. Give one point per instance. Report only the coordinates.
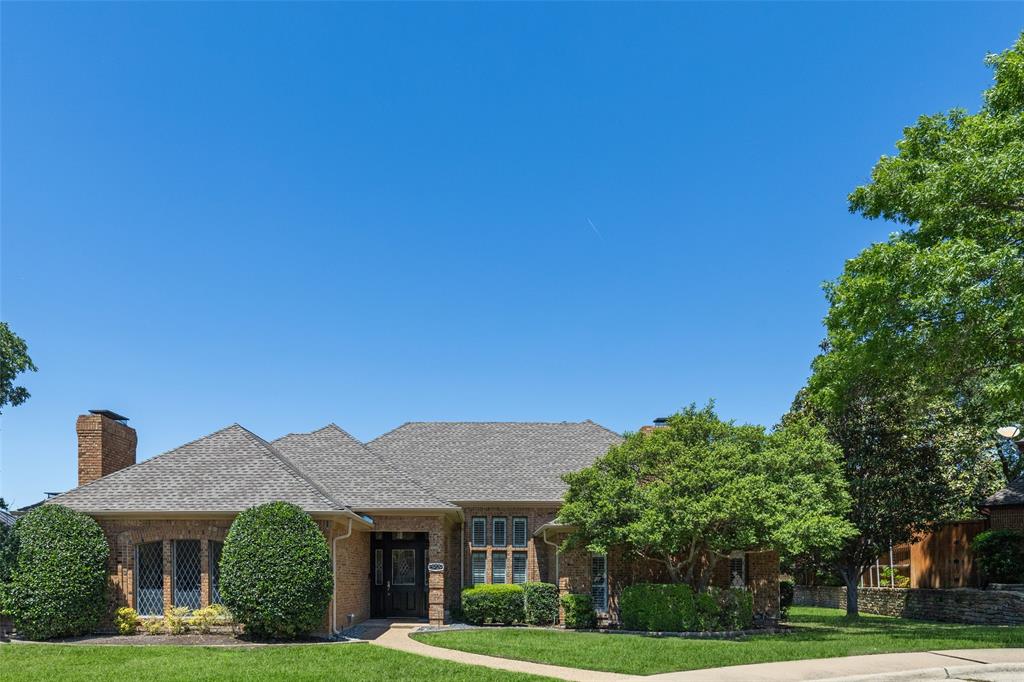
(688, 494)
(14, 360)
(275, 571)
(941, 303)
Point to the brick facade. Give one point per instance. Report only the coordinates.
(437, 531)
(1007, 518)
(104, 446)
(536, 558)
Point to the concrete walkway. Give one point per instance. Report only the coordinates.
(997, 665)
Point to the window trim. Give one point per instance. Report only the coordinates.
(503, 563)
(472, 568)
(504, 531)
(600, 608)
(214, 570)
(137, 577)
(526, 567)
(174, 571)
(526, 531)
(741, 556)
(472, 531)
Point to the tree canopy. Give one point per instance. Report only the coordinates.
(14, 360)
(688, 494)
(940, 304)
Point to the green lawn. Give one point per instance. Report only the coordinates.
(821, 633)
(327, 662)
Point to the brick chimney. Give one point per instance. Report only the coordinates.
(105, 444)
(659, 423)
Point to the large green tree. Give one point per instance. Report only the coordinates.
(14, 360)
(940, 304)
(688, 494)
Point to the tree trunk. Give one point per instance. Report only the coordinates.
(851, 575)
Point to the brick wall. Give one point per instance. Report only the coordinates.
(979, 607)
(437, 536)
(1007, 518)
(352, 575)
(104, 446)
(537, 563)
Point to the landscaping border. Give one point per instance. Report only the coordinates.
(962, 605)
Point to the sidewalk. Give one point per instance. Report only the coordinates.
(997, 665)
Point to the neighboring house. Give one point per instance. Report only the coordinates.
(6, 518)
(411, 517)
(1005, 509)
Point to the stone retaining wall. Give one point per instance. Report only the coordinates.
(980, 607)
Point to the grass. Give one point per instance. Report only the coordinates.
(821, 633)
(333, 662)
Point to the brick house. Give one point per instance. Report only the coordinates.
(1005, 509)
(411, 517)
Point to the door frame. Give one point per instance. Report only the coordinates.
(380, 604)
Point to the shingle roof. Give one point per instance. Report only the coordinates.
(1011, 495)
(494, 461)
(352, 474)
(6, 518)
(229, 470)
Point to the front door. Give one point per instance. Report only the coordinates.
(398, 575)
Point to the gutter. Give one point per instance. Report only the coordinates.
(334, 576)
(544, 536)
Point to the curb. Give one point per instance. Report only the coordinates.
(928, 674)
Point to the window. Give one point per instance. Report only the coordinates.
(378, 567)
(518, 567)
(479, 561)
(599, 581)
(187, 573)
(149, 579)
(479, 535)
(498, 535)
(216, 549)
(498, 568)
(403, 567)
(738, 570)
(519, 531)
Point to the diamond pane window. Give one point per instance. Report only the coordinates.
(498, 568)
(403, 567)
(519, 531)
(378, 567)
(216, 548)
(188, 577)
(599, 581)
(479, 538)
(479, 560)
(498, 531)
(737, 570)
(518, 567)
(149, 579)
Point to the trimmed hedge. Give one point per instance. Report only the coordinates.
(275, 571)
(786, 592)
(540, 603)
(1001, 555)
(493, 604)
(675, 608)
(58, 586)
(579, 611)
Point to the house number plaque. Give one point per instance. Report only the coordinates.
(435, 567)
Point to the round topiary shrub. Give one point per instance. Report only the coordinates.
(275, 571)
(1000, 554)
(59, 582)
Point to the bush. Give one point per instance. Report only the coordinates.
(579, 611)
(786, 590)
(540, 603)
(176, 621)
(658, 608)
(735, 609)
(891, 577)
(59, 583)
(1000, 554)
(275, 571)
(126, 620)
(493, 604)
(205, 618)
(153, 626)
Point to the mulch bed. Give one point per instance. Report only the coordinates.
(189, 639)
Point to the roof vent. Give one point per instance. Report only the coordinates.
(110, 414)
(661, 421)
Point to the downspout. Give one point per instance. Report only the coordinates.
(334, 573)
(548, 542)
(462, 557)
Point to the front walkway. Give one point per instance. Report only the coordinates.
(925, 665)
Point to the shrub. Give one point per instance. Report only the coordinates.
(891, 577)
(493, 604)
(176, 621)
(205, 618)
(275, 571)
(786, 590)
(59, 582)
(579, 611)
(1000, 554)
(126, 620)
(658, 608)
(735, 609)
(540, 603)
(153, 626)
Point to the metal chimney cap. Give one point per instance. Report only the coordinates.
(110, 414)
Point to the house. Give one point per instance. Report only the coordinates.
(411, 517)
(1005, 509)
(6, 518)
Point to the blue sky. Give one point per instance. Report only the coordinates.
(286, 215)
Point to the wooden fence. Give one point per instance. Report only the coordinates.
(940, 559)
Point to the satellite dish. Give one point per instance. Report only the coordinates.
(1010, 432)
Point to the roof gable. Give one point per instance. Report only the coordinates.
(351, 473)
(494, 461)
(226, 471)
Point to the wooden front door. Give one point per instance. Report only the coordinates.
(398, 575)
